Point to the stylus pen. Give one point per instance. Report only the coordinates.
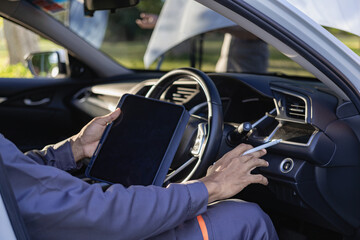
(266, 145)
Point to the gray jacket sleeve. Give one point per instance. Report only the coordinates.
(56, 205)
(58, 155)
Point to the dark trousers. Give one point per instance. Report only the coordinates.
(226, 220)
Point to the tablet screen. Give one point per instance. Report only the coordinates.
(137, 142)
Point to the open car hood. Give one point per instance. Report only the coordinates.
(339, 14)
(182, 19)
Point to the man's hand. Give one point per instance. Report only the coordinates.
(147, 20)
(85, 142)
(232, 173)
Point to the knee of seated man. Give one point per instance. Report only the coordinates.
(240, 218)
(240, 210)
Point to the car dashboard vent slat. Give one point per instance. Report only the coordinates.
(295, 107)
(181, 94)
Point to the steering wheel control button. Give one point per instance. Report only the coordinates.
(286, 165)
(200, 140)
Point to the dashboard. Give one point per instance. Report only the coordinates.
(311, 172)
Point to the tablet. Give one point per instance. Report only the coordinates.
(138, 147)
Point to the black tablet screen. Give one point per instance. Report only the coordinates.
(137, 141)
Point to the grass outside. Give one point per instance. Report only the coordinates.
(352, 41)
(10, 71)
(7, 70)
(130, 55)
(18, 70)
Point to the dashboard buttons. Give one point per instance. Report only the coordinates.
(286, 165)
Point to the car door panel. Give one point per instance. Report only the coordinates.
(36, 112)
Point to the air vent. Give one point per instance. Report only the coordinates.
(295, 107)
(181, 94)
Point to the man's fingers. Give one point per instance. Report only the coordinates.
(114, 115)
(239, 150)
(104, 120)
(254, 163)
(258, 178)
(257, 154)
(248, 157)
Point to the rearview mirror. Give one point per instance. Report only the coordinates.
(90, 6)
(46, 64)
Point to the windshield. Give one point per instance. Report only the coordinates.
(138, 38)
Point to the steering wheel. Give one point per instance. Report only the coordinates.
(209, 131)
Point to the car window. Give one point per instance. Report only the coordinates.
(223, 52)
(120, 36)
(16, 43)
(226, 50)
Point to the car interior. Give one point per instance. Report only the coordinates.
(313, 173)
